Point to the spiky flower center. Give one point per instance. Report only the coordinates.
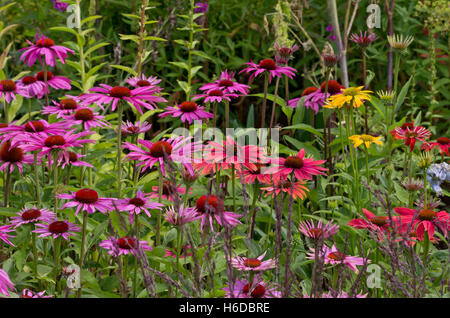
(214, 204)
(34, 126)
(257, 292)
(268, 64)
(41, 76)
(68, 104)
(27, 80)
(316, 232)
(368, 138)
(8, 85)
(379, 220)
(31, 214)
(12, 155)
(188, 107)
(88, 196)
(215, 92)
(226, 83)
(137, 202)
(73, 156)
(160, 148)
(293, 162)
(142, 83)
(337, 256)
(58, 227)
(309, 90)
(167, 187)
(45, 43)
(426, 215)
(407, 125)
(333, 87)
(120, 92)
(54, 141)
(126, 243)
(84, 114)
(252, 262)
(443, 140)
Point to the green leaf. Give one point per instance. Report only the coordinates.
(306, 127)
(96, 47)
(271, 97)
(65, 29)
(91, 18)
(154, 38)
(184, 86)
(180, 65)
(195, 69)
(202, 54)
(125, 68)
(251, 117)
(402, 95)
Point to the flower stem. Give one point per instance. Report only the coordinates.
(119, 150)
(266, 85)
(233, 185)
(274, 103)
(160, 189)
(83, 238)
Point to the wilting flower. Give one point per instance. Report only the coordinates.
(181, 216)
(87, 118)
(437, 174)
(352, 96)
(142, 96)
(443, 143)
(320, 231)
(258, 289)
(363, 39)
(367, 140)
(44, 46)
(13, 157)
(329, 58)
(5, 283)
(57, 82)
(138, 204)
(412, 184)
(32, 215)
(425, 220)
(271, 67)
(71, 158)
(57, 229)
(169, 190)
(4, 229)
(253, 264)
(210, 208)
(66, 106)
(144, 81)
(411, 134)
(187, 111)
(128, 128)
(397, 42)
(124, 245)
(9, 89)
(296, 190)
(334, 256)
(215, 95)
(283, 53)
(31, 87)
(86, 200)
(226, 84)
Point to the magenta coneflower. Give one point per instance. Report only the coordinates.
(86, 200)
(142, 96)
(410, 134)
(26, 293)
(298, 190)
(303, 168)
(320, 231)
(30, 86)
(56, 82)
(334, 256)
(130, 129)
(215, 95)
(5, 283)
(443, 143)
(138, 204)
(4, 229)
(44, 46)
(9, 89)
(71, 158)
(181, 216)
(363, 39)
(284, 53)
(87, 118)
(313, 100)
(66, 106)
(259, 289)
(187, 111)
(426, 220)
(57, 229)
(226, 84)
(20, 133)
(33, 215)
(184, 252)
(269, 66)
(253, 264)
(250, 175)
(169, 190)
(13, 157)
(124, 245)
(376, 223)
(178, 149)
(210, 208)
(144, 81)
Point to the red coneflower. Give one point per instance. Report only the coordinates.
(443, 143)
(333, 87)
(411, 134)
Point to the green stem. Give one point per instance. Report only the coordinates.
(274, 103)
(119, 150)
(83, 239)
(136, 230)
(266, 85)
(233, 185)
(160, 190)
(368, 172)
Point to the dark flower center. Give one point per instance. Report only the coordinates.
(53, 141)
(31, 214)
(316, 232)
(84, 114)
(427, 215)
(142, 83)
(126, 243)
(214, 205)
(215, 92)
(309, 90)
(27, 80)
(58, 227)
(11, 154)
(68, 104)
(379, 220)
(337, 256)
(34, 126)
(226, 83)
(41, 74)
(333, 87)
(8, 85)
(120, 92)
(257, 292)
(160, 148)
(443, 140)
(167, 187)
(268, 64)
(73, 156)
(293, 162)
(88, 196)
(45, 42)
(188, 107)
(136, 202)
(407, 125)
(252, 262)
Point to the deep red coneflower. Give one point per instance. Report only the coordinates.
(333, 87)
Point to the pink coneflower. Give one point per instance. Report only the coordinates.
(4, 229)
(124, 245)
(20, 133)
(144, 81)
(443, 143)
(363, 39)
(46, 142)
(334, 256)
(56, 82)
(5, 283)
(87, 118)
(269, 66)
(259, 289)
(187, 111)
(33, 215)
(319, 231)
(253, 264)
(57, 229)
(410, 134)
(86, 200)
(44, 46)
(178, 149)
(138, 204)
(66, 106)
(142, 96)
(26, 293)
(71, 158)
(226, 84)
(181, 216)
(282, 185)
(426, 220)
(13, 157)
(210, 208)
(376, 223)
(313, 100)
(184, 252)
(303, 168)
(250, 175)
(215, 95)
(169, 190)
(130, 129)
(31, 87)
(9, 89)
(284, 53)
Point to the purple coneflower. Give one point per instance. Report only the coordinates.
(298, 190)
(187, 111)
(259, 289)
(31, 87)
(33, 215)
(9, 89)
(215, 95)
(124, 245)
(66, 106)
(334, 256)
(56, 82)
(138, 204)
(87, 118)
(169, 190)
(253, 264)
(20, 133)
(44, 46)
(57, 229)
(313, 100)
(182, 216)
(363, 39)
(86, 200)
(320, 231)
(5, 283)
(284, 53)
(73, 159)
(210, 208)
(269, 66)
(4, 229)
(226, 84)
(130, 129)
(144, 81)
(13, 157)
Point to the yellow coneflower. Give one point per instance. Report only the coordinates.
(357, 140)
(397, 42)
(352, 93)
